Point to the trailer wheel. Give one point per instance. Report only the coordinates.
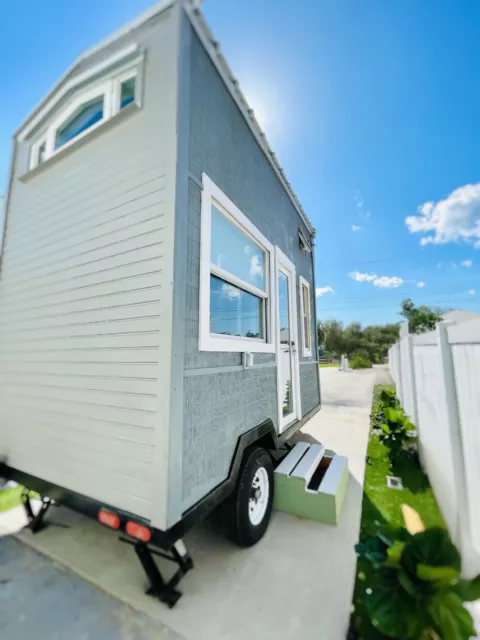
(247, 511)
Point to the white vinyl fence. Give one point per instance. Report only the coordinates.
(437, 376)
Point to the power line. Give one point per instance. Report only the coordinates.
(376, 261)
(377, 306)
(388, 296)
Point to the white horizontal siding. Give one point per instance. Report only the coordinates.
(85, 304)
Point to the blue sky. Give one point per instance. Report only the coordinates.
(372, 108)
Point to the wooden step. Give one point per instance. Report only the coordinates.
(311, 484)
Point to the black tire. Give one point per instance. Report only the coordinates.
(235, 510)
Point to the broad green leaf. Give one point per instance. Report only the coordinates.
(468, 590)
(442, 575)
(392, 415)
(452, 620)
(374, 549)
(385, 428)
(432, 547)
(411, 587)
(394, 554)
(390, 607)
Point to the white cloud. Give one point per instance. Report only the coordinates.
(355, 227)
(321, 291)
(256, 266)
(456, 218)
(421, 284)
(467, 263)
(378, 281)
(362, 277)
(386, 281)
(472, 292)
(358, 200)
(227, 291)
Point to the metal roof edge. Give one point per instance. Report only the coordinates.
(213, 49)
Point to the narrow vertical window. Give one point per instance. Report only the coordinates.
(127, 92)
(305, 310)
(41, 153)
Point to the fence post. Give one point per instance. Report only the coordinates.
(454, 429)
(411, 364)
(398, 358)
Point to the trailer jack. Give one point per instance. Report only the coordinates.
(36, 522)
(165, 591)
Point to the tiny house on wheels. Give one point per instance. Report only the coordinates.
(157, 313)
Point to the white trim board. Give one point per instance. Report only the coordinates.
(284, 263)
(211, 46)
(215, 342)
(52, 98)
(108, 87)
(307, 353)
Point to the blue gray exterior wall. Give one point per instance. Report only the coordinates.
(225, 401)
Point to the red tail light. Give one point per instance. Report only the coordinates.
(138, 531)
(109, 519)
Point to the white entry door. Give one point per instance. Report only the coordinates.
(288, 379)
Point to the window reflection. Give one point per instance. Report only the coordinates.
(84, 118)
(235, 252)
(234, 312)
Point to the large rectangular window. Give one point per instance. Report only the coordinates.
(305, 313)
(235, 279)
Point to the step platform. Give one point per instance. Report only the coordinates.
(312, 483)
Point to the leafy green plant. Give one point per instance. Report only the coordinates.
(359, 362)
(418, 593)
(387, 398)
(394, 426)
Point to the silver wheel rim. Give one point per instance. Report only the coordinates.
(259, 494)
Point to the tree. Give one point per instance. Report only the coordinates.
(371, 342)
(330, 333)
(420, 319)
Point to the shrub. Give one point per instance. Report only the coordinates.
(395, 429)
(418, 592)
(363, 353)
(388, 398)
(359, 362)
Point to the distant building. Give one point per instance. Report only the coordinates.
(459, 315)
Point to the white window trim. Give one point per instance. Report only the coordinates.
(118, 81)
(109, 87)
(286, 266)
(60, 90)
(307, 353)
(212, 194)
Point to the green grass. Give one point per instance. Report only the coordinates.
(381, 511)
(329, 364)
